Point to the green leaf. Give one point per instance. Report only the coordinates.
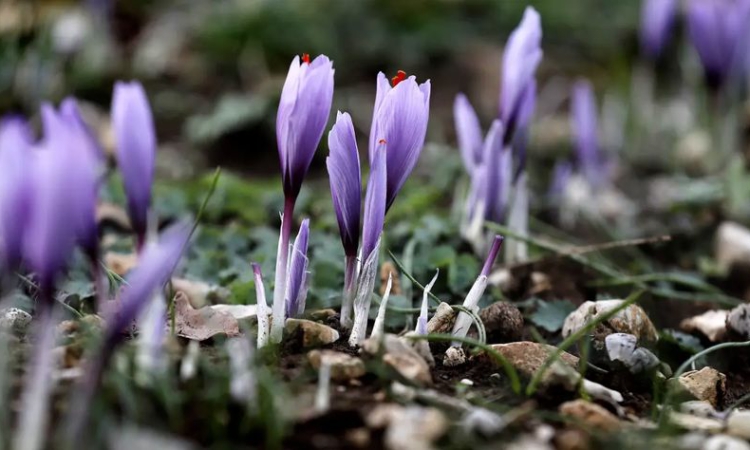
(462, 272)
(551, 315)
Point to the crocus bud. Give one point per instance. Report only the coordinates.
(302, 116)
(584, 126)
(718, 30)
(657, 21)
(297, 283)
(468, 132)
(346, 181)
(521, 58)
(375, 202)
(400, 121)
(135, 139)
(497, 167)
(15, 187)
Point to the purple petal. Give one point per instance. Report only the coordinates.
(346, 181)
(401, 122)
(301, 119)
(584, 125)
(521, 58)
(70, 110)
(135, 138)
(498, 171)
(657, 21)
(155, 266)
(468, 132)
(560, 177)
(375, 199)
(296, 286)
(15, 186)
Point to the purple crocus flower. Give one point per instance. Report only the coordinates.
(302, 116)
(657, 21)
(15, 187)
(521, 58)
(346, 181)
(135, 138)
(297, 281)
(70, 110)
(375, 202)
(718, 29)
(560, 177)
(468, 132)
(400, 121)
(495, 182)
(584, 125)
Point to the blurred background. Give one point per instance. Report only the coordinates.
(214, 70)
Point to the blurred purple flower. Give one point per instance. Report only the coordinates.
(400, 120)
(302, 116)
(584, 126)
(346, 181)
(70, 110)
(521, 58)
(718, 29)
(15, 187)
(297, 284)
(560, 177)
(657, 22)
(135, 138)
(468, 132)
(375, 201)
(496, 179)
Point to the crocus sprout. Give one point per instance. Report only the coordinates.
(463, 321)
(399, 118)
(135, 139)
(346, 192)
(378, 327)
(300, 121)
(297, 280)
(422, 319)
(585, 134)
(263, 311)
(15, 187)
(156, 264)
(718, 31)
(657, 21)
(372, 229)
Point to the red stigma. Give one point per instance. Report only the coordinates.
(306, 58)
(400, 76)
(382, 141)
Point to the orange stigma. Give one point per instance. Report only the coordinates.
(306, 58)
(400, 76)
(382, 141)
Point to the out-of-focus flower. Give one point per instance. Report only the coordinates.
(400, 120)
(300, 121)
(521, 58)
(302, 116)
(135, 138)
(657, 22)
(346, 181)
(372, 229)
(718, 30)
(496, 179)
(15, 187)
(296, 291)
(585, 133)
(561, 174)
(468, 132)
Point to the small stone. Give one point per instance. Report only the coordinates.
(711, 324)
(591, 415)
(14, 320)
(443, 319)
(322, 315)
(732, 245)
(413, 427)
(343, 367)
(738, 320)
(723, 442)
(402, 357)
(503, 322)
(358, 437)
(572, 439)
(707, 384)
(529, 357)
(314, 334)
(631, 320)
(421, 346)
(695, 423)
(738, 424)
(454, 356)
(467, 382)
(622, 347)
(700, 408)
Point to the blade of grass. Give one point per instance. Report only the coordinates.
(575, 337)
(411, 278)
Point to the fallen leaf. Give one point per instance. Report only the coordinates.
(204, 323)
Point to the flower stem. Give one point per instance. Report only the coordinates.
(282, 260)
(350, 290)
